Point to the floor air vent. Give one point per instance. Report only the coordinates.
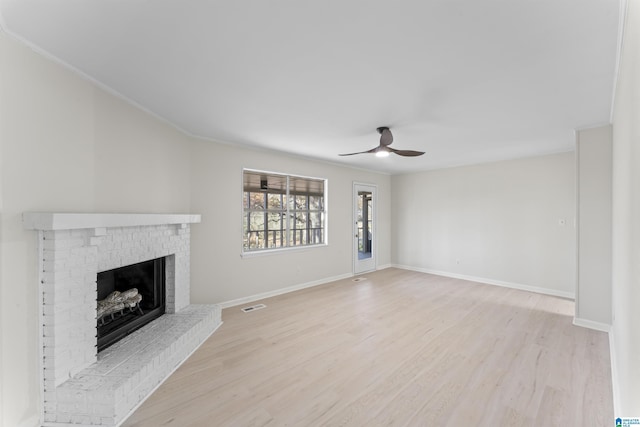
(359, 279)
(253, 308)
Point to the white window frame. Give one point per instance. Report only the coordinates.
(264, 251)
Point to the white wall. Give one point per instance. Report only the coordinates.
(218, 272)
(495, 222)
(594, 174)
(66, 146)
(626, 222)
(2, 111)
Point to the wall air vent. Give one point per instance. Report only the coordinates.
(253, 308)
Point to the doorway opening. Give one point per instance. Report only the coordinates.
(364, 217)
(364, 224)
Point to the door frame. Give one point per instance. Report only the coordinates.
(370, 264)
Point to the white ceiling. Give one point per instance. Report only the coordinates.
(467, 81)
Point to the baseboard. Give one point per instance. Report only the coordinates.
(382, 267)
(545, 291)
(281, 291)
(615, 383)
(590, 324)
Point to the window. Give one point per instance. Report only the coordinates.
(282, 211)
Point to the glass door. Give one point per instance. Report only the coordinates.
(364, 228)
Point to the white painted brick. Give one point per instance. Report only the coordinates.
(48, 357)
(70, 349)
(50, 407)
(78, 273)
(48, 309)
(99, 231)
(49, 382)
(58, 243)
(48, 330)
(63, 418)
(52, 274)
(78, 251)
(80, 419)
(55, 254)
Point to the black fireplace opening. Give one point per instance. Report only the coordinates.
(129, 297)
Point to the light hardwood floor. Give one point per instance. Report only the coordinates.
(398, 349)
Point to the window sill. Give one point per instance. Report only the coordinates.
(263, 252)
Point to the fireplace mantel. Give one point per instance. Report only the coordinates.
(51, 221)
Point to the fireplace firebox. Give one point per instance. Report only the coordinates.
(129, 297)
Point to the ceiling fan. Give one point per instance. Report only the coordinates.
(383, 150)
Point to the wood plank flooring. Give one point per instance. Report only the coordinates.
(400, 348)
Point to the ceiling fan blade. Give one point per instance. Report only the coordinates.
(373, 150)
(407, 153)
(386, 138)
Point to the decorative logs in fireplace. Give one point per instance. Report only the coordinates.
(128, 298)
(116, 302)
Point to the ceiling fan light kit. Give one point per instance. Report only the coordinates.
(383, 150)
(382, 153)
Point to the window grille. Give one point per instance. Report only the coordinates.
(282, 211)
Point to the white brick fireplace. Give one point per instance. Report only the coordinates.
(80, 386)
